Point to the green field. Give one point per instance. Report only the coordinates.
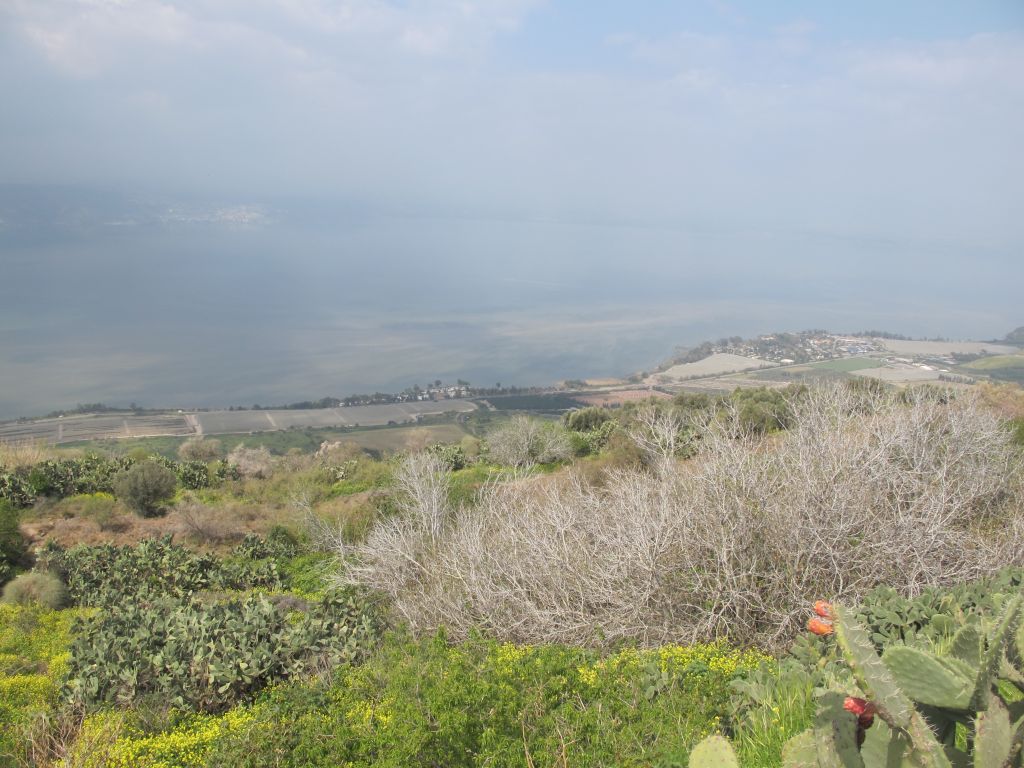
(996, 362)
(847, 364)
(374, 439)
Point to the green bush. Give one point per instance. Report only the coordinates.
(586, 419)
(209, 656)
(1017, 425)
(12, 543)
(193, 475)
(481, 703)
(15, 489)
(145, 486)
(43, 589)
(453, 457)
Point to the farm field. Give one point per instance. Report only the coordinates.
(898, 374)
(996, 362)
(93, 427)
(723, 385)
(233, 422)
(373, 439)
(714, 365)
(903, 347)
(845, 364)
(73, 429)
(620, 396)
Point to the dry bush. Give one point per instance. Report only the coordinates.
(25, 454)
(417, 440)
(1006, 399)
(200, 449)
(35, 588)
(523, 442)
(56, 739)
(205, 525)
(863, 490)
(251, 462)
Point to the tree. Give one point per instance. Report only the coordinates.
(144, 487)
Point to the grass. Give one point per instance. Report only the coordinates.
(421, 703)
(555, 403)
(996, 362)
(375, 439)
(33, 659)
(847, 364)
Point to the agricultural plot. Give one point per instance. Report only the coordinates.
(93, 427)
(946, 347)
(619, 397)
(235, 422)
(899, 374)
(546, 403)
(846, 364)
(714, 365)
(997, 362)
(723, 385)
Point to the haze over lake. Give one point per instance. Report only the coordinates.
(206, 204)
(208, 304)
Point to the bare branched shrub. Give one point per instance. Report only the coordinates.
(661, 434)
(523, 442)
(401, 550)
(200, 449)
(864, 489)
(251, 462)
(205, 525)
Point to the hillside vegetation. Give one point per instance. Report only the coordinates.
(609, 588)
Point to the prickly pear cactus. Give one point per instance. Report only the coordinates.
(713, 752)
(961, 708)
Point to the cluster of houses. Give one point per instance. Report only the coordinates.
(803, 347)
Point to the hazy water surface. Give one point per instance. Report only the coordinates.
(123, 301)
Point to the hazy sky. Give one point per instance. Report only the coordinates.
(870, 118)
(760, 149)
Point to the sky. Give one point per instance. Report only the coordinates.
(807, 161)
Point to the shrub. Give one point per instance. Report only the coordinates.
(200, 449)
(12, 543)
(862, 490)
(42, 589)
(523, 442)
(452, 456)
(251, 462)
(207, 525)
(193, 475)
(586, 419)
(15, 489)
(144, 487)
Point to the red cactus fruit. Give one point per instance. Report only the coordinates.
(819, 627)
(824, 609)
(865, 712)
(859, 707)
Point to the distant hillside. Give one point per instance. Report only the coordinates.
(1016, 336)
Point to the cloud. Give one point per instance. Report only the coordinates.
(410, 106)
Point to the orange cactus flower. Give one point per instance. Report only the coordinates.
(824, 609)
(819, 627)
